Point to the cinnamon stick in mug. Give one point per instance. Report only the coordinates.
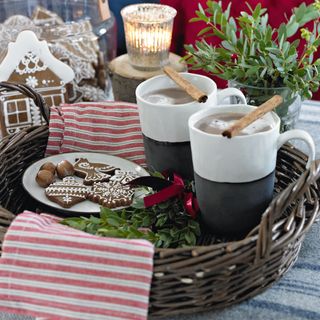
(188, 87)
(242, 123)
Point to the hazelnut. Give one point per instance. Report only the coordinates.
(64, 169)
(44, 178)
(49, 166)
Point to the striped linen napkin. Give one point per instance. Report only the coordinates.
(107, 127)
(52, 271)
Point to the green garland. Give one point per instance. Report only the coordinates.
(166, 225)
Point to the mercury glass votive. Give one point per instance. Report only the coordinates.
(148, 32)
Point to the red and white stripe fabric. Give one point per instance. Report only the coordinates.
(56, 130)
(51, 271)
(107, 127)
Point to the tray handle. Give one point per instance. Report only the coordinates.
(279, 204)
(30, 93)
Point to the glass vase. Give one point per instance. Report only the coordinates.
(78, 33)
(288, 111)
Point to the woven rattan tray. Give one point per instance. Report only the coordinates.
(210, 275)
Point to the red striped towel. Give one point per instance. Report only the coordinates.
(56, 129)
(107, 127)
(51, 271)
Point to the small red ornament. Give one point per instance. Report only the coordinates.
(234, 56)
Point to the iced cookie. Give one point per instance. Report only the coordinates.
(124, 177)
(67, 192)
(93, 172)
(111, 194)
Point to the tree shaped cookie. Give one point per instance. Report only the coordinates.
(67, 192)
(92, 172)
(111, 194)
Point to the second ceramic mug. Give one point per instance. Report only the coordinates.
(165, 126)
(234, 178)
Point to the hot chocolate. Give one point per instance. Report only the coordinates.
(168, 96)
(217, 123)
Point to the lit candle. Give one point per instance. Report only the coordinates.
(148, 31)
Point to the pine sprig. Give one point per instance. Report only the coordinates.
(254, 53)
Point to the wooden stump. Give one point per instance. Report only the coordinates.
(126, 78)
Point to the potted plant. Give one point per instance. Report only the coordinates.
(258, 59)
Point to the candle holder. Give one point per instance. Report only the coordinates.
(148, 33)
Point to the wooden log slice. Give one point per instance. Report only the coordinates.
(125, 78)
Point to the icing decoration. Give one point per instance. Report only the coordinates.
(111, 194)
(26, 50)
(93, 172)
(67, 192)
(73, 43)
(30, 61)
(124, 177)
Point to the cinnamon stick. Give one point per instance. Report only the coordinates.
(242, 123)
(188, 87)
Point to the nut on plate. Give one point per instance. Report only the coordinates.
(44, 178)
(64, 169)
(49, 166)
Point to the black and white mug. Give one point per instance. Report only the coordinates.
(234, 178)
(165, 126)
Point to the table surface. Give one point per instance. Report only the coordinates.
(296, 296)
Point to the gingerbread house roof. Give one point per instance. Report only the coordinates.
(25, 43)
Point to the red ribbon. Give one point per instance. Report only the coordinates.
(176, 189)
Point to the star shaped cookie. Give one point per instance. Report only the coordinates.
(111, 194)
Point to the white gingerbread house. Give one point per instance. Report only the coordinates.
(30, 61)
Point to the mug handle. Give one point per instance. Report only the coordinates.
(231, 92)
(300, 135)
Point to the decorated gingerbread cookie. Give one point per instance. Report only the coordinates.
(124, 177)
(93, 172)
(111, 194)
(67, 192)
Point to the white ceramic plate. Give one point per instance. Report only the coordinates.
(38, 193)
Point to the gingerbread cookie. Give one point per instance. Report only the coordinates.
(111, 194)
(93, 172)
(124, 177)
(67, 192)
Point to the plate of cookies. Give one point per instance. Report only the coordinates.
(82, 181)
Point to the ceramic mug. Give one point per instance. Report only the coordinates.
(165, 126)
(234, 178)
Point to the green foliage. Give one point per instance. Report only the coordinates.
(166, 224)
(254, 53)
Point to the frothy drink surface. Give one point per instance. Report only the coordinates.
(217, 123)
(168, 96)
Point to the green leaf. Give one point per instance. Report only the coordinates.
(204, 31)
(274, 50)
(292, 28)
(105, 212)
(158, 174)
(94, 219)
(257, 11)
(252, 70)
(112, 221)
(110, 233)
(263, 72)
(228, 46)
(190, 238)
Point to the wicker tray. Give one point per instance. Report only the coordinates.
(210, 275)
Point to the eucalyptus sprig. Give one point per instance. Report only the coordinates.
(254, 53)
(166, 224)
